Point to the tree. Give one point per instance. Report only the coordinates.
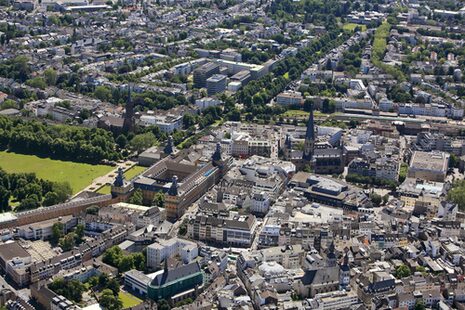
(50, 76)
(137, 197)
(122, 141)
(114, 286)
(103, 93)
(68, 241)
(50, 199)
(419, 305)
(57, 232)
(112, 256)
(159, 200)
(457, 194)
(126, 263)
(139, 261)
(376, 199)
(79, 231)
(385, 199)
(85, 114)
(8, 104)
(37, 82)
(93, 210)
(109, 301)
(63, 191)
(29, 203)
(71, 289)
(188, 120)
(454, 161)
(402, 271)
(142, 142)
(4, 199)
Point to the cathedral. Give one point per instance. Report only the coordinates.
(321, 156)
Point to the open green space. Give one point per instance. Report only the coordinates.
(104, 190)
(79, 175)
(301, 114)
(133, 172)
(128, 300)
(352, 26)
(379, 48)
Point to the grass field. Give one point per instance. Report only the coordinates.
(128, 300)
(301, 114)
(352, 26)
(105, 189)
(134, 171)
(78, 175)
(379, 47)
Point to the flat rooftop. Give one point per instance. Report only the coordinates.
(437, 161)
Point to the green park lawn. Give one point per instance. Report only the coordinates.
(133, 172)
(79, 175)
(128, 300)
(301, 114)
(352, 26)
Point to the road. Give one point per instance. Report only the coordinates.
(191, 211)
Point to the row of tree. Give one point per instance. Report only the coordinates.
(360, 179)
(60, 142)
(257, 93)
(29, 191)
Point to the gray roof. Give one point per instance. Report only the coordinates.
(176, 274)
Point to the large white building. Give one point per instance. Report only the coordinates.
(166, 123)
(163, 249)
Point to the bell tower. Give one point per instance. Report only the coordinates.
(309, 137)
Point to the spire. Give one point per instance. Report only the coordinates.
(169, 146)
(217, 154)
(119, 180)
(173, 191)
(128, 124)
(310, 134)
(288, 141)
(309, 137)
(331, 256)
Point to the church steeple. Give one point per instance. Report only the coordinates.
(169, 146)
(128, 124)
(331, 256)
(288, 141)
(217, 154)
(309, 137)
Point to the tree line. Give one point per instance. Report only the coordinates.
(257, 93)
(80, 144)
(29, 191)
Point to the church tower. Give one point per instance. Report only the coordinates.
(169, 146)
(287, 150)
(128, 124)
(331, 256)
(309, 137)
(344, 273)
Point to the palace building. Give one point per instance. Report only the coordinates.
(182, 181)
